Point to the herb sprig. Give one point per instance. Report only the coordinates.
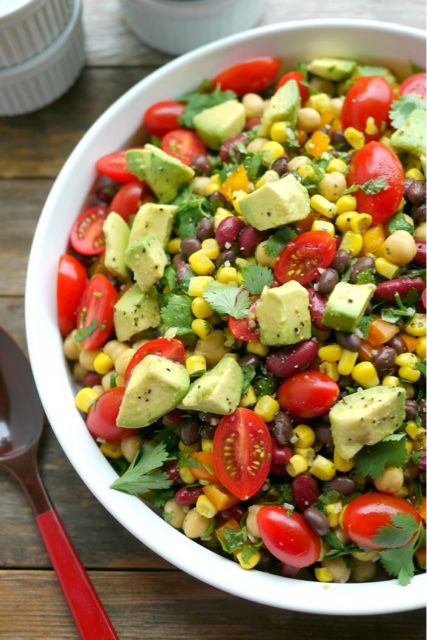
(143, 473)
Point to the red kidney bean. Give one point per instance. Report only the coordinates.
(317, 520)
(420, 256)
(248, 240)
(422, 461)
(91, 379)
(173, 417)
(292, 360)
(235, 512)
(228, 230)
(280, 455)
(317, 309)
(187, 496)
(231, 146)
(171, 468)
(386, 290)
(305, 491)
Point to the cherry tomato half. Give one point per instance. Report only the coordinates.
(364, 515)
(242, 329)
(414, 84)
(308, 394)
(172, 349)
(86, 236)
(302, 257)
(163, 117)
(129, 198)
(251, 76)
(375, 160)
(114, 165)
(287, 536)
(70, 284)
(369, 97)
(242, 450)
(96, 311)
(101, 419)
(183, 144)
(299, 78)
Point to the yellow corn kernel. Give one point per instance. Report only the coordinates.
(343, 221)
(297, 465)
(257, 348)
(266, 408)
(390, 381)
(365, 374)
(386, 268)
(330, 352)
(341, 464)
(174, 245)
(200, 308)
(330, 369)
(323, 574)
(361, 222)
(271, 151)
(409, 447)
(323, 225)
(323, 206)
(371, 128)
(278, 131)
(201, 328)
(414, 174)
(306, 171)
(111, 449)
(346, 203)
(198, 284)
(227, 275)
(306, 452)
(305, 436)
(200, 263)
(421, 348)
(406, 359)
(195, 365)
(352, 242)
(85, 398)
(211, 248)
(417, 326)
(322, 468)
(246, 561)
(319, 101)
(205, 508)
(220, 215)
(102, 363)
(409, 373)
(186, 475)
(413, 430)
(373, 240)
(355, 138)
(216, 179)
(249, 398)
(347, 362)
(336, 164)
(207, 444)
(210, 188)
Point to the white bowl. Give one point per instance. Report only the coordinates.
(372, 42)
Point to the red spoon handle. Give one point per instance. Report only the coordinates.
(89, 614)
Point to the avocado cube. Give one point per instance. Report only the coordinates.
(275, 204)
(157, 385)
(283, 314)
(346, 305)
(148, 260)
(412, 136)
(217, 124)
(283, 106)
(116, 233)
(135, 311)
(217, 391)
(336, 69)
(365, 418)
(153, 219)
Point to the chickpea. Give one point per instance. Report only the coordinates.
(254, 105)
(123, 360)
(251, 520)
(420, 232)
(71, 347)
(79, 372)
(87, 358)
(363, 571)
(262, 257)
(339, 570)
(194, 525)
(333, 185)
(130, 446)
(174, 513)
(366, 556)
(200, 185)
(256, 145)
(336, 106)
(297, 162)
(399, 247)
(309, 119)
(390, 481)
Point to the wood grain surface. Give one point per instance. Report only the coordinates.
(146, 597)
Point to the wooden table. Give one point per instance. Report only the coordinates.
(145, 597)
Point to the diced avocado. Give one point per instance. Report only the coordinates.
(335, 69)
(153, 218)
(346, 305)
(217, 124)
(276, 203)
(217, 391)
(157, 385)
(116, 233)
(164, 174)
(283, 314)
(283, 105)
(412, 136)
(135, 311)
(148, 260)
(365, 418)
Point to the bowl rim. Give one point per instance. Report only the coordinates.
(168, 543)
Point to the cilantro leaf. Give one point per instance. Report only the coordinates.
(421, 366)
(252, 163)
(402, 528)
(402, 107)
(389, 452)
(371, 187)
(143, 473)
(249, 373)
(277, 241)
(197, 101)
(191, 209)
(85, 332)
(393, 314)
(363, 325)
(399, 563)
(365, 276)
(256, 277)
(265, 385)
(229, 299)
(177, 314)
(399, 222)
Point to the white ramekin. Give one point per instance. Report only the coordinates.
(28, 27)
(42, 79)
(178, 26)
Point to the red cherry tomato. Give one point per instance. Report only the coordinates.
(71, 282)
(241, 330)
(299, 78)
(308, 394)
(183, 144)
(129, 198)
(86, 236)
(101, 419)
(364, 515)
(96, 311)
(414, 84)
(287, 536)
(114, 165)
(375, 160)
(242, 450)
(171, 349)
(251, 76)
(424, 298)
(302, 257)
(163, 117)
(369, 97)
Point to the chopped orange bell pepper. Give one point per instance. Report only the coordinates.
(317, 144)
(201, 466)
(366, 351)
(381, 332)
(237, 181)
(219, 496)
(230, 524)
(410, 341)
(326, 118)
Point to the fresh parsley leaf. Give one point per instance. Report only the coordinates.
(399, 222)
(256, 277)
(365, 276)
(402, 528)
(363, 325)
(85, 332)
(277, 241)
(143, 473)
(421, 366)
(389, 452)
(402, 107)
(177, 314)
(249, 373)
(197, 101)
(371, 187)
(229, 299)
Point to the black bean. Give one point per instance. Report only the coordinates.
(317, 520)
(281, 428)
(349, 341)
(411, 408)
(227, 255)
(323, 433)
(338, 141)
(416, 191)
(207, 431)
(182, 271)
(345, 381)
(281, 164)
(189, 246)
(216, 199)
(422, 412)
(397, 344)
(341, 260)
(205, 229)
(360, 265)
(419, 213)
(202, 165)
(343, 484)
(189, 432)
(327, 281)
(384, 359)
(249, 359)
